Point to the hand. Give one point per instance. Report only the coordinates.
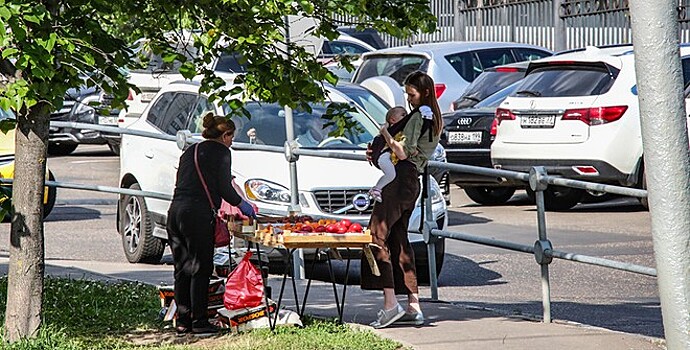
(247, 209)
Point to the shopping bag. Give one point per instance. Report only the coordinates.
(244, 287)
(221, 234)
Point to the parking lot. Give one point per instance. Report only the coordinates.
(82, 227)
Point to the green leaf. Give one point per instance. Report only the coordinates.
(32, 19)
(7, 125)
(8, 52)
(188, 70)
(5, 13)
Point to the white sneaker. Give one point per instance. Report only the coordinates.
(387, 317)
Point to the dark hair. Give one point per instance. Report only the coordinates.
(424, 84)
(215, 126)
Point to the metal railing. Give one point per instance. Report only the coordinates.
(538, 180)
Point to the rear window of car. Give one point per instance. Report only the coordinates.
(230, 62)
(554, 80)
(488, 83)
(397, 67)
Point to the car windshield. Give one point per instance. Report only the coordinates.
(371, 103)
(6, 114)
(397, 67)
(567, 80)
(267, 126)
(495, 100)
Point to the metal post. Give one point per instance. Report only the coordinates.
(560, 42)
(666, 158)
(538, 185)
(459, 24)
(429, 223)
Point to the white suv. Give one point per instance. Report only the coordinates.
(577, 114)
(328, 187)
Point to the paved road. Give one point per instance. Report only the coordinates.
(82, 227)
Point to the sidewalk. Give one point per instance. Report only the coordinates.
(448, 326)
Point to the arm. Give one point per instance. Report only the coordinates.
(395, 146)
(227, 190)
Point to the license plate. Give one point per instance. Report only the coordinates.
(465, 137)
(537, 121)
(107, 121)
(147, 96)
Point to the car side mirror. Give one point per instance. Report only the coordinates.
(182, 137)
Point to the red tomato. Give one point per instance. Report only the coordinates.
(342, 229)
(320, 228)
(356, 227)
(307, 228)
(331, 228)
(345, 223)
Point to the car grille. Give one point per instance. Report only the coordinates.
(332, 200)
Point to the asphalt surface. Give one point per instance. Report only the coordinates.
(82, 227)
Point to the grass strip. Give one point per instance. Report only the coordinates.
(81, 314)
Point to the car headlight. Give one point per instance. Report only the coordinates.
(266, 191)
(435, 191)
(439, 154)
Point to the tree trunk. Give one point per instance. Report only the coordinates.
(26, 269)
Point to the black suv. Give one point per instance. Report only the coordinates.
(83, 105)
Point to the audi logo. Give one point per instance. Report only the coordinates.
(464, 121)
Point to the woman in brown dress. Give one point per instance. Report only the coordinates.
(390, 218)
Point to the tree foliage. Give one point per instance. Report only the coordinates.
(49, 46)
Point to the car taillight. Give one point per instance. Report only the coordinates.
(595, 115)
(494, 127)
(507, 69)
(439, 89)
(503, 114)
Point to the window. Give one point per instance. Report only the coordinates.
(230, 62)
(529, 54)
(466, 64)
(202, 107)
(157, 111)
(175, 118)
(345, 48)
(394, 66)
(495, 57)
(583, 79)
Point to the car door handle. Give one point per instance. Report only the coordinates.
(148, 154)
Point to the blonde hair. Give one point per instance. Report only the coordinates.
(215, 126)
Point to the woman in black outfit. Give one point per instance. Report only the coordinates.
(191, 222)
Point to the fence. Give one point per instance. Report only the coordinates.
(538, 180)
(555, 24)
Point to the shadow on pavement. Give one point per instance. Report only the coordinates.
(637, 318)
(456, 218)
(72, 213)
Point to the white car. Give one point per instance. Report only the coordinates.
(328, 187)
(452, 65)
(577, 114)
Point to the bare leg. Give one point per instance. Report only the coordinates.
(413, 303)
(389, 299)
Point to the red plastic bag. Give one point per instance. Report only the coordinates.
(244, 287)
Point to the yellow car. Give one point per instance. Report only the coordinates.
(7, 166)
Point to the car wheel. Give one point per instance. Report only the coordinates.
(115, 148)
(487, 195)
(52, 195)
(643, 184)
(136, 228)
(61, 149)
(596, 197)
(422, 261)
(557, 198)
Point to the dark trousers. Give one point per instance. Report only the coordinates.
(190, 233)
(388, 224)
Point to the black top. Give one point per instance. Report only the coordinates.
(214, 162)
(378, 144)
